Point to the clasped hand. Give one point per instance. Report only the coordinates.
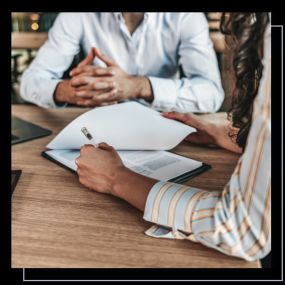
(92, 86)
(99, 85)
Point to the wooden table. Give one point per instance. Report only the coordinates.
(56, 222)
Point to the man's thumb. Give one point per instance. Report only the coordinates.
(104, 58)
(88, 59)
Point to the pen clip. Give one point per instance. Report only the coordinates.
(86, 133)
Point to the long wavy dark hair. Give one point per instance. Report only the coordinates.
(247, 32)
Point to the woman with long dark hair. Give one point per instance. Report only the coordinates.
(237, 220)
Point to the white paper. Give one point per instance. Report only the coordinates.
(160, 165)
(125, 126)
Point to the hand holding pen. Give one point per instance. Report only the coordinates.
(97, 164)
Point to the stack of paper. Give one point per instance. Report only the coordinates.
(141, 135)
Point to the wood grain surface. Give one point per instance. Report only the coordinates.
(56, 222)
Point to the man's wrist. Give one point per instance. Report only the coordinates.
(59, 93)
(143, 88)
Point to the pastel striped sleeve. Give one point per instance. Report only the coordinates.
(166, 203)
(222, 220)
(171, 207)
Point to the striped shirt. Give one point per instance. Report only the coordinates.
(236, 220)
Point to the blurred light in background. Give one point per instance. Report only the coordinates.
(35, 26)
(34, 17)
(32, 22)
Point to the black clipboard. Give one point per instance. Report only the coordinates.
(179, 179)
(190, 174)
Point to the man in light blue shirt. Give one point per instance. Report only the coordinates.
(136, 57)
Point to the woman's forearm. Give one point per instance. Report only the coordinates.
(132, 187)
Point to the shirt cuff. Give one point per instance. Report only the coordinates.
(164, 93)
(44, 97)
(163, 232)
(170, 205)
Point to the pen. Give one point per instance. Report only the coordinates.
(88, 135)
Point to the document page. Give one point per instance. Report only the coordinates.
(125, 126)
(161, 165)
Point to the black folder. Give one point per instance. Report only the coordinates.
(179, 179)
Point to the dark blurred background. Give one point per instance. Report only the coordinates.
(29, 32)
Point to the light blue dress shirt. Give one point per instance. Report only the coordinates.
(161, 43)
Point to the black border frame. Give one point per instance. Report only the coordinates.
(274, 273)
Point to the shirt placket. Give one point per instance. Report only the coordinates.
(133, 43)
(138, 43)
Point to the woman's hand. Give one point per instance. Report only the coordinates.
(99, 168)
(211, 129)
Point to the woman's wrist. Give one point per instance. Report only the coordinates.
(120, 179)
(132, 187)
(225, 136)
